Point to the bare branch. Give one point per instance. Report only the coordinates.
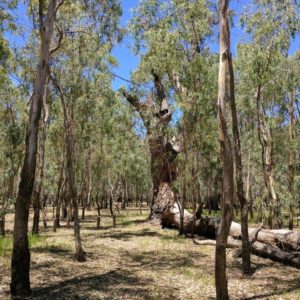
(59, 5)
(132, 99)
(60, 38)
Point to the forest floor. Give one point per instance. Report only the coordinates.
(137, 260)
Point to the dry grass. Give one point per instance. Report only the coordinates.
(139, 261)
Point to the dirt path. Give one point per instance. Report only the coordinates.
(139, 261)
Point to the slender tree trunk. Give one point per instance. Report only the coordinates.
(265, 138)
(239, 173)
(58, 198)
(20, 264)
(124, 193)
(69, 129)
(291, 172)
(2, 219)
(183, 203)
(227, 201)
(249, 198)
(90, 178)
(40, 168)
(44, 211)
(7, 196)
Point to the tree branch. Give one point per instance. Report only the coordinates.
(59, 5)
(60, 38)
(132, 99)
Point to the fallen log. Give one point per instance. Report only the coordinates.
(260, 249)
(278, 245)
(284, 239)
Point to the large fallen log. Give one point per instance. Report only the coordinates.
(260, 249)
(287, 240)
(284, 239)
(278, 245)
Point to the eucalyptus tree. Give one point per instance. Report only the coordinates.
(292, 82)
(12, 130)
(7, 112)
(89, 31)
(260, 58)
(20, 282)
(173, 36)
(226, 153)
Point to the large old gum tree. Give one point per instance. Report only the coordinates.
(156, 115)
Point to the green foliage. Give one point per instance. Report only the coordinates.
(172, 38)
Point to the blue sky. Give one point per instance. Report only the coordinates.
(127, 60)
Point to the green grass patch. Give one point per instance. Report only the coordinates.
(6, 243)
(5, 246)
(197, 275)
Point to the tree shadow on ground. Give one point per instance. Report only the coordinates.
(165, 261)
(125, 235)
(53, 249)
(279, 287)
(118, 223)
(115, 284)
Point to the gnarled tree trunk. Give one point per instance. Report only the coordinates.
(163, 153)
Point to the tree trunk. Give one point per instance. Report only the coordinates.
(291, 167)
(2, 222)
(58, 198)
(249, 197)
(226, 156)
(40, 168)
(44, 211)
(7, 197)
(239, 172)
(20, 264)
(265, 138)
(90, 178)
(69, 129)
(162, 154)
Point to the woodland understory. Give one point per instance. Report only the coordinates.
(138, 260)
